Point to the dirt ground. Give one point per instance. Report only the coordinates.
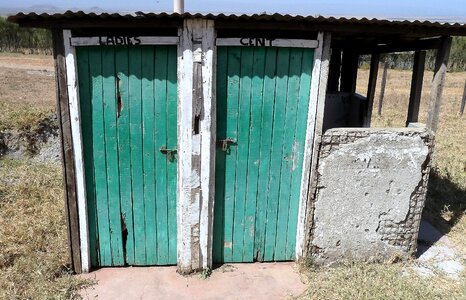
(27, 80)
(26, 62)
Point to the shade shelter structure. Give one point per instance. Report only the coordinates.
(197, 139)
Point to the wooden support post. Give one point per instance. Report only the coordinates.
(349, 71)
(320, 75)
(69, 176)
(441, 62)
(464, 100)
(374, 71)
(416, 87)
(75, 120)
(196, 144)
(334, 70)
(382, 88)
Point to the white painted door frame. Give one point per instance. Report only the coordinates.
(76, 136)
(267, 42)
(123, 40)
(315, 112)
(70, 44)
(196, 146)
(313, 131)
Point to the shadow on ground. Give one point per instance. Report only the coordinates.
(445, 205)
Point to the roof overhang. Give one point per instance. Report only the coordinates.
(339, 25)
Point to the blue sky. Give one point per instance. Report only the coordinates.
(432, 9)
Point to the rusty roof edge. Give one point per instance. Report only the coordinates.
(18, 18)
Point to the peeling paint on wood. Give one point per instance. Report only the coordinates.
(263, 98)
(73, 96)
(313, 132)
(131, 192)
(195, 125)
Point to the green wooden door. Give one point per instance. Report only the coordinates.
(128, 102)
(262, 106)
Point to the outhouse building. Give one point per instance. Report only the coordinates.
(200, 139)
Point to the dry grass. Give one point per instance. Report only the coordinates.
(27, 90)
(33, 241)
(379, 282)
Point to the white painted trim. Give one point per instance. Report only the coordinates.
(318, 90)
(185, 86)
(75, 119)
(251, 42)
(136, 40)
(208, 136)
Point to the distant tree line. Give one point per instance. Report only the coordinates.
(25, 40)
(405, 60)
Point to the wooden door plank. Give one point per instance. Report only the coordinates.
(124, 151)
(111, 153)
(137, 180)
(100, 174)
(288, 154)
(161, 159)
(265, 149)
(244, 116)
(234, 59)
(299, 138)
(220, 157)
(254, 152)
(149, 150)
(172, 144)
(276, 158)
(86, 123)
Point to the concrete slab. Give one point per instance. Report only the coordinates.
(233, 281)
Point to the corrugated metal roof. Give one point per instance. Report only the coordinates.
(220, 16)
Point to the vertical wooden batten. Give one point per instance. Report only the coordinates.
(313, 131)
(69, 178)
(416, 86)
(374, 71)
(196, 144)
(76, 136)
(443, 53)
(382, 88)
(208, 136)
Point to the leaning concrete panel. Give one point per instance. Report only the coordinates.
(370, 193)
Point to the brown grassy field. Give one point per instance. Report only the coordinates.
(33, 241)
(33, 251)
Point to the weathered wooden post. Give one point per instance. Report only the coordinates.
(382, 88)
(416, 87)
(464, 100)
(375, 58)
(441, 62)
